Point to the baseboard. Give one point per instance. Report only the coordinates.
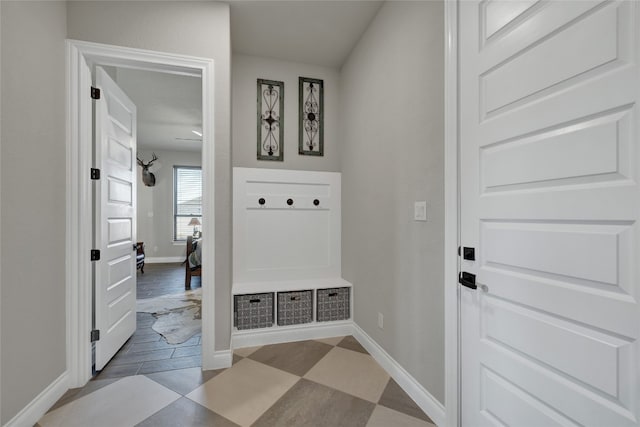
(31, 414)
(429, 404)
(163, 259)
(282, 334)
(221, 359)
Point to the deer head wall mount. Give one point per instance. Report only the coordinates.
(148, 178)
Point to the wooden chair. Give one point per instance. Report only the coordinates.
(140, 256)
(189, 273)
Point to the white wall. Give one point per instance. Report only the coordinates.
(246, 70)
(33, 200)
(191, 28)
(155, 204)
(392, 132)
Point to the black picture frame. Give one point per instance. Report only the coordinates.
(310, 117)
(270, 130)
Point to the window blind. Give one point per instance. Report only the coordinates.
(187, 200)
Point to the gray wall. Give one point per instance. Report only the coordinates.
(246, 70)
(155, 204)
(33, 200)
(191, 28)
(392, 130)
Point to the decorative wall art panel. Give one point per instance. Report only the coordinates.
(270, 120)
(311, 126)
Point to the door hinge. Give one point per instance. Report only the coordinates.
(469, 253)
(95, 173)
(95, 335)
(95, 93)
(467, 279)
(95, 254)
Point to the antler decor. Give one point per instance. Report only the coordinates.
(148, 178)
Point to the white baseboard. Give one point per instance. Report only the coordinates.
(282, 334)
(163, 259)
(429, 404)
(221, 359)
(31, 414)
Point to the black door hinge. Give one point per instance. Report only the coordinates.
(95, 93)
(95, 173)
(95, 335)
(469, 254)
(467, 279)
(95, 254)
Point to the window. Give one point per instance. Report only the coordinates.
(187, 200)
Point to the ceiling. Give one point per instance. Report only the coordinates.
(308, 31)
(169, 108)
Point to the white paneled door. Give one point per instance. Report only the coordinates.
(550, 160)
(115, 218)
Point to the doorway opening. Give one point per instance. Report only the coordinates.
(166, 298)
(82, 59)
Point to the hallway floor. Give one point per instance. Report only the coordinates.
(330, 382)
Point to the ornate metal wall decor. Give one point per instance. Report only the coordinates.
(270, 120)
(311, 126)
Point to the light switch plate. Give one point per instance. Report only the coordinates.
(420, 211)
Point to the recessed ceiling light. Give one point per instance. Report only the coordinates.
(196, 132)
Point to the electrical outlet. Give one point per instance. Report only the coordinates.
(420, 211)
(380, 321)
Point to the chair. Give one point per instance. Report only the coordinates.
(196, 271)
(140, 256)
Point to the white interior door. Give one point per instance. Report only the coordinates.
(115, 218)
(550, 160)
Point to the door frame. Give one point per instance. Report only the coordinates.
(79, 189)
(452, 347)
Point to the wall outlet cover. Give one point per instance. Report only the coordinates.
(420, 211)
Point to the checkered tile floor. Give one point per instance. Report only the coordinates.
(330, 382)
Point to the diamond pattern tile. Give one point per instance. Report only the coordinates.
(385, 417)
(185, 412)
(246, 351)
(125, 402)
(183, 381)
(330, 382)
(311, 404)
(351, 343)
(394, 397)
(295, 357)
(351, 372)
(244, 392)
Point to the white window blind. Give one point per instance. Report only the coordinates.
(187, 200)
